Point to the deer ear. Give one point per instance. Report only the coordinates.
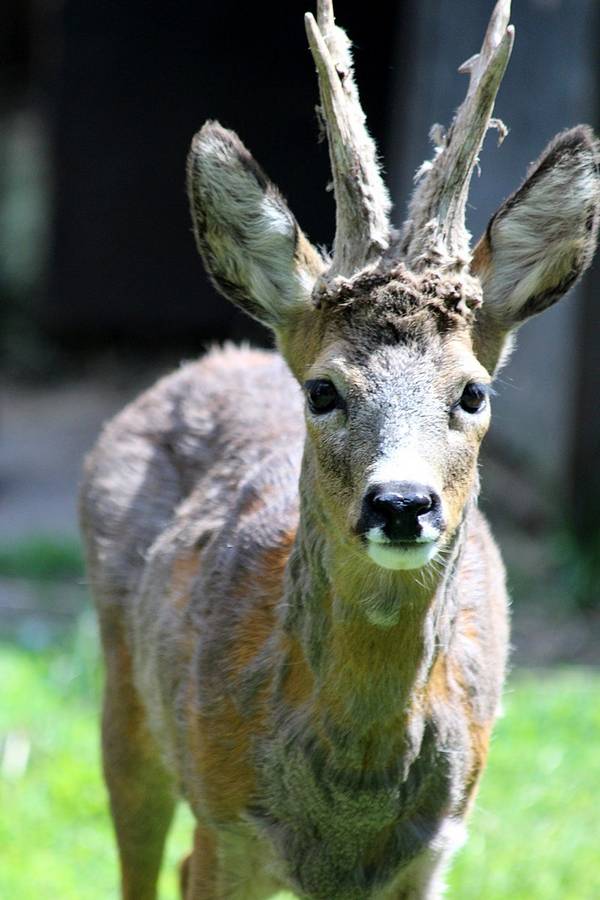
(252, 247)
(538, 242)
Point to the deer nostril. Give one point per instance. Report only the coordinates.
(397, 508)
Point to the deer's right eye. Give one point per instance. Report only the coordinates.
(322, 396)
(473, 397)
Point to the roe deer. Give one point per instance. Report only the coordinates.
(303, 613)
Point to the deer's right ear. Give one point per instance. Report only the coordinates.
(539, 242)
(252, 247)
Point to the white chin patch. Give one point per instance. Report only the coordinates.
(408, 556)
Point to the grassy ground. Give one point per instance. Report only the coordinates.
(534, 834)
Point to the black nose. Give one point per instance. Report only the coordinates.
(399, 509)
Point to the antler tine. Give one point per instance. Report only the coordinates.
(325, 16)
(362, 200)
(435, 233)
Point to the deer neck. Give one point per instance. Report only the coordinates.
(369, 637)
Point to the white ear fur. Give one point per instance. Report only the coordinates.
(250, 242)
(541, 239)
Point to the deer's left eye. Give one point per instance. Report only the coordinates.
(473, 397)
(322, 395)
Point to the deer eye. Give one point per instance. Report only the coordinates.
(322, 396)
(473, 397)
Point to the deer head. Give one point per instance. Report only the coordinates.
(395, 339)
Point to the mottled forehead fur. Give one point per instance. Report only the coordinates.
(397, 306)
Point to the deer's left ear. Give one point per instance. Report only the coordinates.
(538, 242)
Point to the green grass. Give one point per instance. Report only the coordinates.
(42, 558)
(534, 834)
(536, 828)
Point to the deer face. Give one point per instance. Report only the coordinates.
(396, 371)
(396, 408)
(389, 339)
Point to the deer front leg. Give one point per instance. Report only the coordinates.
(142, 795)
(225, 865)
(199, 870)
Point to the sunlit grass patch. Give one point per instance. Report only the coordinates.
(55, 832)
(536, 828)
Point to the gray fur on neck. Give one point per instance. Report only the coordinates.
(324, 807)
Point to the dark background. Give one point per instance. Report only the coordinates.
(127, 86)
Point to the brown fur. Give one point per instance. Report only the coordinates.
(142, 808)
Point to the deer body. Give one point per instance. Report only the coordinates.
(303, 612)
(341, 731)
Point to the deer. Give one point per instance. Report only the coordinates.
(302, 610)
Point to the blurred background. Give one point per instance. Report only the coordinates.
(101, 291)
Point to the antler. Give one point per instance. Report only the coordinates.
(362, 201)
(435, 232)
